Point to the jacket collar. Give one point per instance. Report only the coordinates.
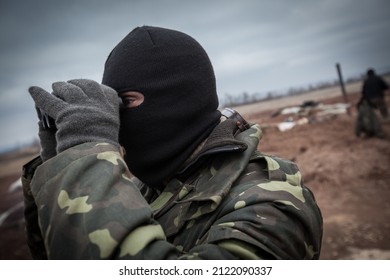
(205, 189)
(221, 140)
(212, 184)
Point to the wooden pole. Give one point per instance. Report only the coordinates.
(343, 91)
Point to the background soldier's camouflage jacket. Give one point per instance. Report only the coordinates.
(239, 204)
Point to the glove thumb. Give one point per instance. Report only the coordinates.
(46, 101)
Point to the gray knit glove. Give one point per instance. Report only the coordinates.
(83, 110)
(47, 136)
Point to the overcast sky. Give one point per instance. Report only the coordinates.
(255, 46)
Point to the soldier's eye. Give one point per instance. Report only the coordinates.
(131, 99)
(127, 101)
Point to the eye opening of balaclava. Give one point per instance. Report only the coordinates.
(180, 109)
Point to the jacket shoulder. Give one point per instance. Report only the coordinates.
(277, 167)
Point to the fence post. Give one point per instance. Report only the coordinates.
(342, 86)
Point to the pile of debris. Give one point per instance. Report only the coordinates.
(308, 112)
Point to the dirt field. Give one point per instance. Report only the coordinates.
(349, 176)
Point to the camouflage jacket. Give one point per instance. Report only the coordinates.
(238, 204)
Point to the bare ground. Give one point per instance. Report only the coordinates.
(349, 177)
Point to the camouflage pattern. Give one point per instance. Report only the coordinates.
(367, 121)
(240, 204)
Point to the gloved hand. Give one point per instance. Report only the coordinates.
(47, 138)
(83, 110)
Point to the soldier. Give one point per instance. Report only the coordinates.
(374, 88)
(200, 190)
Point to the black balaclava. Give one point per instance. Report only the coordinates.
(176, 77)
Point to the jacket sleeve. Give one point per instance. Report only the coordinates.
(33, 233)
(88, 208)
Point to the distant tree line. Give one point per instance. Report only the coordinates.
(246, 98)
